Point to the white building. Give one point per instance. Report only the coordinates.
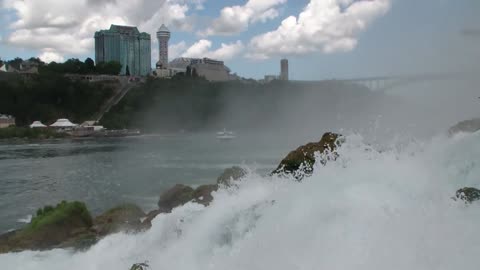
(37, 124)
(6, 121)
(63, 125)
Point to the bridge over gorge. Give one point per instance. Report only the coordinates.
(384, 83)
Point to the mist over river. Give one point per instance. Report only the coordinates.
(106, 172)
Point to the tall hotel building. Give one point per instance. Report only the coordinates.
(124, 44)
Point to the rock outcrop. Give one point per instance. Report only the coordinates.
(176, 196)
(230, 175)
(469, 126)
(126, 217)
(203, 194)
(67, 224)
(300, 161)
(468, 195)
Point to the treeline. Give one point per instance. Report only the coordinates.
(48, 96)
(73, 66)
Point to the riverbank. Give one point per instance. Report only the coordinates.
(26, 133)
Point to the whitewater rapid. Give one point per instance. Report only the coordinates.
(389, 209)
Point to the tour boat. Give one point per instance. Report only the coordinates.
(225, 135)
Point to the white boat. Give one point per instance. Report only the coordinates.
(225, 135)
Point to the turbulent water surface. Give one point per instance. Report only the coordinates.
(389, 209)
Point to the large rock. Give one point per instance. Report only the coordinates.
(126, 217)
(203, 194)
(230, 175)
(472, 125)
(176, 196)
(300, 161)
(468, 194)
(67, 224)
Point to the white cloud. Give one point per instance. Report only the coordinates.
(67, 27)
(175, 50)
(236, 19)
(202, 49)
(51, 56)
(325, 26)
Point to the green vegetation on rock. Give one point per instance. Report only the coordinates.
(67, 224)
(65, 213)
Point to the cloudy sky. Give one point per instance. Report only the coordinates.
(321, 38)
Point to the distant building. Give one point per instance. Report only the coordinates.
(3, 67)
(163, 36)
(26, 67)
(63, 125)
(6, 121)
(125, 44)
(37, 124)
(210, 69)
(284, 70)
(269, 78)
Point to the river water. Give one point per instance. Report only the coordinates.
(106, 172)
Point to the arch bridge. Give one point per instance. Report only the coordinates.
(384, 83)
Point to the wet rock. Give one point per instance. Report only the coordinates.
(300, 161)
(140, 266)
(469, 126)
(125, 217)
(230, 175)
(468, 194)
(61, 226)
(176, 196)
(203, 194)
(147, 223)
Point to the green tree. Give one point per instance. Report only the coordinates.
(89, 65)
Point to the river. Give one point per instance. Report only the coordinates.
(106, 172)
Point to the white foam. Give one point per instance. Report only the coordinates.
(26, 219)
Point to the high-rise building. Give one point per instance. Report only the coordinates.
(125, 44)
(163, 36)
(284, 70)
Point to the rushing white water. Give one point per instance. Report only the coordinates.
(367, 210)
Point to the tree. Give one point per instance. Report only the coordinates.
(109, 68)
(89, 65)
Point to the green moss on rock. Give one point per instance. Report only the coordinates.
(51, 227)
